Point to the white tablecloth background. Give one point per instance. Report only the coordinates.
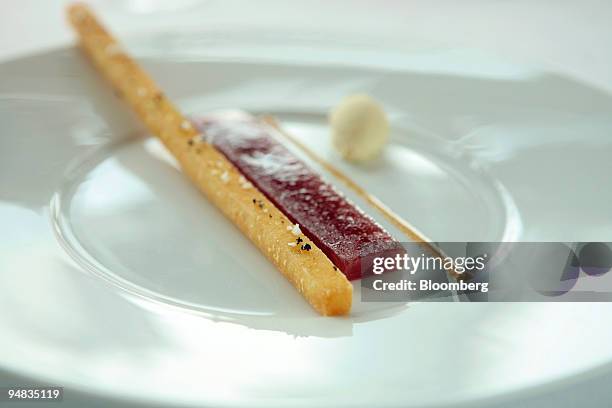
(572, 38)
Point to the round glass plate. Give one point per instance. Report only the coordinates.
(126, 214)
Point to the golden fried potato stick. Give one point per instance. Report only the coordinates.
(311, 272)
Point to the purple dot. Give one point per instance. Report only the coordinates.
(595, 258)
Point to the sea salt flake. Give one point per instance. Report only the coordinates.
(295, 230)
(185, 125)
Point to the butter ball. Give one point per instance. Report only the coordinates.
(359, 128)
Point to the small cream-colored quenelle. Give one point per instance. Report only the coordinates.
(359, 128)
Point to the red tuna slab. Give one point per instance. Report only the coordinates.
(341, 230)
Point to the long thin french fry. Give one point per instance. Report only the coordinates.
(311, 272)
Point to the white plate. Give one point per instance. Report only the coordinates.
(119, 278)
